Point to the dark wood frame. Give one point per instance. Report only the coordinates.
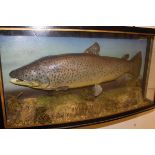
(83, 31)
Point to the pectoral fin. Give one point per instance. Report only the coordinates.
(97, 90)
(93, 49)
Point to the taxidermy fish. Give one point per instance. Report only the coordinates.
(66, 71)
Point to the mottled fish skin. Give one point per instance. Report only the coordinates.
(74, 70)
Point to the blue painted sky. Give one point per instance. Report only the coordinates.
(17, 51)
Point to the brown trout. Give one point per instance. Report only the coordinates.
(75, 70)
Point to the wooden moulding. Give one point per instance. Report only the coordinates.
(150, 88)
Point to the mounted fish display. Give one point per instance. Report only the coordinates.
(75, 70)
(69, 81)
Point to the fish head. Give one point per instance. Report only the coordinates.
(25, 76)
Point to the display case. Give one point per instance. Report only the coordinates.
(66, 77)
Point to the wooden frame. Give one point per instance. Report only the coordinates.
(122, 32)
(151, 74)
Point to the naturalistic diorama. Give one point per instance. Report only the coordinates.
(56, 80)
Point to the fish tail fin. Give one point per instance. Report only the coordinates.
(136, 62)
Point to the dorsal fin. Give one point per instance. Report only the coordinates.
(125, 57)
(93, 49)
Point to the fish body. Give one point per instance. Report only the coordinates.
(74, 70)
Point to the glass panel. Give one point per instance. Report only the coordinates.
(103, 79)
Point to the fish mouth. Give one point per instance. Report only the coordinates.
(23, 82)
(19, 81)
